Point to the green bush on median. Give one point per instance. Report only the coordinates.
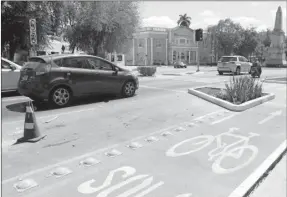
(241, 89)
(147, 70)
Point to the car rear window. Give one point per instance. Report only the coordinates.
(36, 59)
(228, 59)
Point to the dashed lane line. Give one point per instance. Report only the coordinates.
(165, 89)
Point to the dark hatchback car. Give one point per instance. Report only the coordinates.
(58, 79)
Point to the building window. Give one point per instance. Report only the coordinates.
(141, 43)
(182, 41)
(158, 43)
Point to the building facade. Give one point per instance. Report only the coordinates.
(163, 46)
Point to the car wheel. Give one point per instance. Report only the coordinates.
(60, 96)
(129, 89)
(237, 72)
(220, 72)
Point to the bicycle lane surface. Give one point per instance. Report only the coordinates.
(170, 164)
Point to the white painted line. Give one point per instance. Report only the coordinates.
(221, 120)
(15, 99)
(248, 183)
(91, 153)
(59, 114)
(271, 116)
(156, 88)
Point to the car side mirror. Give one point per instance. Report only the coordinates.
(117, 70)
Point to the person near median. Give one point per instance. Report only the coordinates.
(257, 65)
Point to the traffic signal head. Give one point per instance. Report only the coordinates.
(198, 35)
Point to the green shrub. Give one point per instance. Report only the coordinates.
(241, 89)
(147, 70)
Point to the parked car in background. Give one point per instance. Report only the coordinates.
(10, 73)
(233, 64)
(58, 79)
(180, 65)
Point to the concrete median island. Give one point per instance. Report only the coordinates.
(209, 94)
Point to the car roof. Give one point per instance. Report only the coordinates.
(15, 64)
(47, 58)
(232, 56)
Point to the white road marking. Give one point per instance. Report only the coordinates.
(271, 116)
(250, 181)
(15, 99)
(156, 88)
(59, 114)
(221, 120)
(228, 150)
(94, 152)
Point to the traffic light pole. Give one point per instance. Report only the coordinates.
(197, 56)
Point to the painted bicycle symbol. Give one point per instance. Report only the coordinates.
(222, 151)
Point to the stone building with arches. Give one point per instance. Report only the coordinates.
(164, 46)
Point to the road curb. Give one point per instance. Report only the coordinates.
(228, 105)
(274, 81)
(254, 179)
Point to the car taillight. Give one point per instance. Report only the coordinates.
(42, 70)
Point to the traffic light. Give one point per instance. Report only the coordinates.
(198, 35)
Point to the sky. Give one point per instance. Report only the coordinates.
(260, 14)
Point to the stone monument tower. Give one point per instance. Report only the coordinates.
(276, 54)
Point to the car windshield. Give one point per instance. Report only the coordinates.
(227, 59)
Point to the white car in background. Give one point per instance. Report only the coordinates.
(233, 64)
(10, 74)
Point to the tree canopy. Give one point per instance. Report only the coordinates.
(231, 38)
(99, 27)
(15, 22)
(184, 20)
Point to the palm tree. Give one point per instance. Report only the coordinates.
(184, 20)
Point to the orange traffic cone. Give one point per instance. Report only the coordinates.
(31, 129)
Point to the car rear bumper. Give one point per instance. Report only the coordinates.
(225, 69)
(33, 90)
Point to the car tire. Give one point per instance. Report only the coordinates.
(129, 89)
(60, 96)
(237, 71)
(220, 72)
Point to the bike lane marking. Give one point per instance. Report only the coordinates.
(101, 150)
(143, 156)
(153, 157)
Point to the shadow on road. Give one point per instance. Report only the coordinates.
(21, 106)
(9, 94)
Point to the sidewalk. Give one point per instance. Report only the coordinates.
(274, 185)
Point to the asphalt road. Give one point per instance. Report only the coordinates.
(175, 153)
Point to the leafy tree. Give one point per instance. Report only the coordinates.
(15, 23)
(99, 27)
(267, 40)
(248, 43)
(184, 20)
